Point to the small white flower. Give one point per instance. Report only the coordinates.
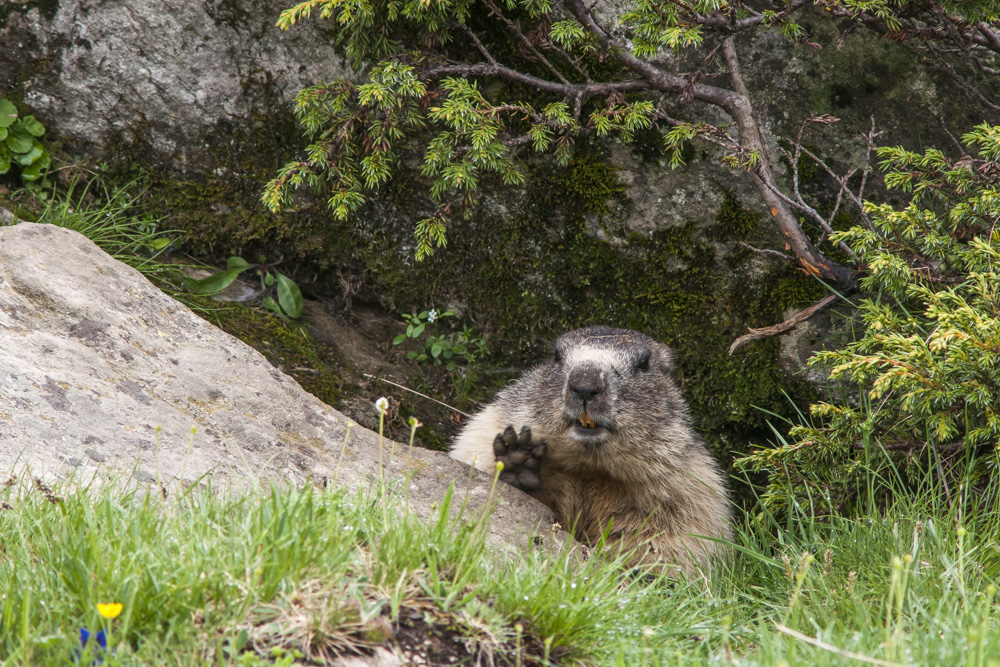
(433, 315)
(382, 405)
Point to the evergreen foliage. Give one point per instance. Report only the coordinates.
(468, 88)
(927, 363)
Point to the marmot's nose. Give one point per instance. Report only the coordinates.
(586, 384)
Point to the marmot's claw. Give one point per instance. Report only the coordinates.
(521, 458)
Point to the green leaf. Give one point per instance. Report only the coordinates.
(289, 296)
(32, 172)
(417, 330)
(435, 351)
(237, 263)
(4, 164)
(270, 304)
(216, 282)
(32, 126)
(8, 113)
(160, 243)
(37, 150)
(268, 279)
(3, 133)
(19, 141)
(398, 340)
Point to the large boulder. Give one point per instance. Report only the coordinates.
(103, 375)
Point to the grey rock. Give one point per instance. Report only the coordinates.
(93, 356)
(163, 72)
(827, 330)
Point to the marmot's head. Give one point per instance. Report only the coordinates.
(611, 388)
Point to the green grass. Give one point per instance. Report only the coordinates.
(207, 578)
(113, 221)
(296, 576)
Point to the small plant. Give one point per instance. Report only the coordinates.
(19, 145)
(273, 284)
(440, 349)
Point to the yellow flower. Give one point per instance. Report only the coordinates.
(110, 610)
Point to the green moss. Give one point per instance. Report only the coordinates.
(591, 182)
(736, 221)
(290, 347)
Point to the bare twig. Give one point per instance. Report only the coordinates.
(513, 27)
(570, 89)
(413, 391)
(787, 325)
(766, 251)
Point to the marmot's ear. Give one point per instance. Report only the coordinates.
(666, 360)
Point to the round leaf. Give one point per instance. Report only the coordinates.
(31, 172)
(8, 113)
(27, 158)
(236, 263)
(4, 164)
(19, 142)
(32, 126)
(398, 340)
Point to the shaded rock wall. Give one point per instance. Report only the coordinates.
(617, 237)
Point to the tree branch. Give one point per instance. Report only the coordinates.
(787, 325)
(752, 138)
(570, 89)
(737, 105)
(524, 40)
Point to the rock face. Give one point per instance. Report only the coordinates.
(165, 72)
(204, 88)
(100, 372)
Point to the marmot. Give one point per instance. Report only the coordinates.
(602, 434)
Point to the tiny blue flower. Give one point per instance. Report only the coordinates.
(100, 638)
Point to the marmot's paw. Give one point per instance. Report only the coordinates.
(521, 458)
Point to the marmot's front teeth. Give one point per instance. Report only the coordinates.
(586, 421)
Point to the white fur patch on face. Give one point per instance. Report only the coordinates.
(603, 359)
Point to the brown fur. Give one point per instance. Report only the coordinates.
(643, 468)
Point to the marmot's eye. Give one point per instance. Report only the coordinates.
(557, 357)
(643, 363)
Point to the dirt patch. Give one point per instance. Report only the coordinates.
(436, 638)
